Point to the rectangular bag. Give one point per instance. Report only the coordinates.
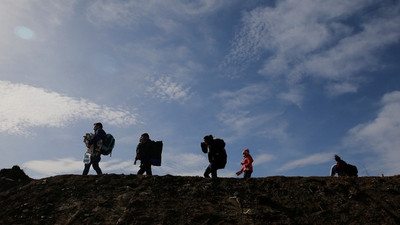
(156, 151)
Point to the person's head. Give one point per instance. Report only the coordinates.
(144, 137)
(97, 126)
(208, 139)
(337, 158)
(246, 152)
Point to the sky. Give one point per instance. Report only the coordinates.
(293, 81)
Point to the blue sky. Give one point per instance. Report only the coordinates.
(294, 81)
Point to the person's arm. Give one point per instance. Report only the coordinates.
(243, 167)
(137, 157)
(100, 134)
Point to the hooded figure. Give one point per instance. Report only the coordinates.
(247, 164)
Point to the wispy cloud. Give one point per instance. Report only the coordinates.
(294, 95)
(168, 90)
(24, 106)
(235, 112)
(263, 158)
(380, 137)
(309, 160)
(313, 38)
(336, 89)
(248, 95)
(165, 15)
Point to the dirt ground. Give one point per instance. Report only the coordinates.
(131, 199)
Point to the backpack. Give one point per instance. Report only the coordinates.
(351, 170)
(108, 145)
(155, 154)
(221, 156)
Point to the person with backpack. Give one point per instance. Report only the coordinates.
(343, 169)
(94, 145)
(215, 148)
(247, 164)
(143, 153)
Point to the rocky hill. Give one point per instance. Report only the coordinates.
(131, 199)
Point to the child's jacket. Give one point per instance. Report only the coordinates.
(247, 164)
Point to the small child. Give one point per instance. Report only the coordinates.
(247, 164)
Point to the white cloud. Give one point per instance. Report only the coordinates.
(356, 52)
(380, 137)
(186, 164)
(295, 96)
(336, 89)
(168, 90)
(239, 112)
(23, 107)
(111, 164)
(54, 167)
(45, 168)
(263, 158)
(309, 160)
(182, 164)
(245, 96)
(313, 38)
(166, 15)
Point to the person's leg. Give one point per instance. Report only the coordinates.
(247, 174)
(86, 169)
(148, 169)
(145, 167)
(141, 170)
(207, 171)
(213, 170)
(96, 167)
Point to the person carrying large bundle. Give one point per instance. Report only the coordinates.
(149, 153)
(94, 143)
(217, 157)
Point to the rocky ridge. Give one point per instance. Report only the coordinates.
(131, 199)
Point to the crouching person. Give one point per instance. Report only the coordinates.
(343, 169)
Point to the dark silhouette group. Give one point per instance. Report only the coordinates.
(213, 147)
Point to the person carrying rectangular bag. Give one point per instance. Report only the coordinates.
(149, 153)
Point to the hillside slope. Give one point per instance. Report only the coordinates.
(131, 199)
